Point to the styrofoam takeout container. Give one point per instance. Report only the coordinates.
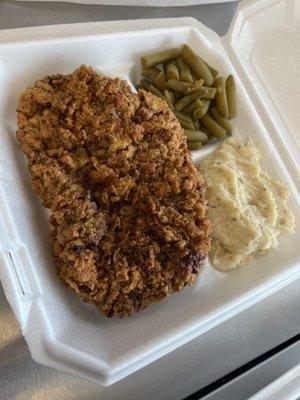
(286, 387)
(262, 52)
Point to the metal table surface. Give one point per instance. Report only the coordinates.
(193, 366)
(19, 14)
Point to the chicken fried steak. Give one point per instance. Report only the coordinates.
(127, 204)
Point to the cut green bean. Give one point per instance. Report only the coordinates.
(183, 117)
(215, 129)
(211, 139)
(213, 71)
(172, 71)
(155, 91)
(169, 96)
(206, 131)
(185, 73)
(197, 65)
(186, 100)
(221, 120)
(186, 125)
(199, 82)
(194, 77)
(194, 145)
(179, 86)
(160, 57)
(195, 136)
(185, 120)
(145, 83)
(191, 107)
(160, 81)
(196, 123)
(210, 92)
(195, 86)
(200, 112)
(231, 96)
(177, 95)
(150, 73)
(220, 96)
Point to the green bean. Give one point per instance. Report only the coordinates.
(155, 91)
(150, 73)
(186, 125)
(200, 112)
(197, 65)
(220, 96)
(196, 123)
(194, 145)
(145, 83)
(214, 128)
(160, 57)
(221, 120)
(191, 107)
(177, 95)
(160, 81)
(196, 85)
(210, 92)
(231, 96)
(172, 71)
(179, 86)
(194, 77)
(169, 96)
(184, 120)
(184, 71)
(199, 82)
(183, 117)
(195, 136)
(213, 71)
(186, 100)
(211, 139)
(206, 131)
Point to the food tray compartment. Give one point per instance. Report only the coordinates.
(60, 329)
(268, 57)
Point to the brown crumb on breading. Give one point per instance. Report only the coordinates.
(127, 204)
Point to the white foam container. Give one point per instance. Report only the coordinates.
(286, 387)
(262, 51)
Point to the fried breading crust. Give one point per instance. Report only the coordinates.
(127, 204)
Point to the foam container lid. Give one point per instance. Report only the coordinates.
(261, 50)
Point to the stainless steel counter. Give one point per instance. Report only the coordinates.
(19, 14)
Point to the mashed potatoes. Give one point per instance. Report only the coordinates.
(247, 207)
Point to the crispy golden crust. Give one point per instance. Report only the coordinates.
(127, 204)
